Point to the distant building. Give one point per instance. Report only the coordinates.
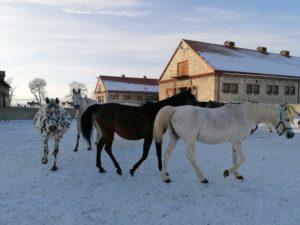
(4, 90)
(124, 89)
(226, 73)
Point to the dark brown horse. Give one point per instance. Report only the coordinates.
(129, 122)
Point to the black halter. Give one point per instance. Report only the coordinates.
(281, 124)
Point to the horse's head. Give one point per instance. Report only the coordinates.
(76, 98)
(283, 123)
(52, 105)
(189, 97)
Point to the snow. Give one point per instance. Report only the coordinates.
(124, 86)
(77, 194)
(249, 61)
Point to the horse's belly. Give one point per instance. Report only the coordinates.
(214, 139)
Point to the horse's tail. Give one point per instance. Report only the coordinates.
(87, 122)
(161, 122)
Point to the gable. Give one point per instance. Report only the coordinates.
(185, 60)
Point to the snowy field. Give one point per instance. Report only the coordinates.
(76, 194)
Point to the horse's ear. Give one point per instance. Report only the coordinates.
(57, 101)
(47, 100)
(189, 90)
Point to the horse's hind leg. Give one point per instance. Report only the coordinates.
(109, 152)
(238, 159)
(55, 153)
(191, 157)
(146, 147)
(77, 142)
(163, 173)
(46, 151)
(100, 145)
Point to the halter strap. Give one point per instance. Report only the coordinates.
(281, 124)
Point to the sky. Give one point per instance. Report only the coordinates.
(63, 41)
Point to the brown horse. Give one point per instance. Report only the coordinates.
(129, 122)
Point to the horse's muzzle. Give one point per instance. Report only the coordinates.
(290, 134)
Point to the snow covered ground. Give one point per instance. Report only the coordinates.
(77, 194)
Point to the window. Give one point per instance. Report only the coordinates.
(233, 88)
(183, 68)
(249, 89)
(126, 97)
(225, 88)
(252, 89)
(289, 90)
(114, 96)
(138, 97)
(255, 89)
(230, 88)
(272, 90)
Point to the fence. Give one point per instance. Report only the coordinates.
(24, 113)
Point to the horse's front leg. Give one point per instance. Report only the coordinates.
(191, 157)
(109, 152)
(55, 152)
(46, 150)
(146, 147)
(238, 159)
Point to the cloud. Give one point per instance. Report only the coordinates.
(127, 8)
(213, 13)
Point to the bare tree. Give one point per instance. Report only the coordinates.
(37, 88)
(78, 85)
(12, 89)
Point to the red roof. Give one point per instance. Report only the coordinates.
(134, 80)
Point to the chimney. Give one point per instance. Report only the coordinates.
(2, 75)
(285, 53)
(262, 49)
(229, 44)
(123, 75)
(145, 77)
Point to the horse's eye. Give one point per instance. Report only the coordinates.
(288, 120)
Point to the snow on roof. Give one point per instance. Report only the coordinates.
(129, 87)
(245, 60)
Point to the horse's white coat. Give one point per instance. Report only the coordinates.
(81, 104)
(230, 123)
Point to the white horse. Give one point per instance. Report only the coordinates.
(51, 120)
(81, 104)
(230, 123)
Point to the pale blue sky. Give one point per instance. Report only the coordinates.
(64, 40)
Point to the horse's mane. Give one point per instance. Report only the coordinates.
(262, 111)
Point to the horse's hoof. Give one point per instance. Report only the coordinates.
(89, 148)
(75, 150)
(240, 177)
(226, 173)
(119, 171)
(205, 181)
(167, 180)
(44, 160)
(54, 168)
(101, 170)
(131, 171)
